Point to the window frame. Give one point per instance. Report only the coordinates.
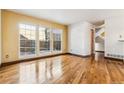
(37, 46)
(40, 52)
(61, 34)
(19, 53)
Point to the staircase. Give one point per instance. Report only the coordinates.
(100, 33)
(99, 39)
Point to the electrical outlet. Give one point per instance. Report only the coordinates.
(7, 56)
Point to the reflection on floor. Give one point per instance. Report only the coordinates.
(65, 69)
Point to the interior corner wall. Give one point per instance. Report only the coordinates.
(79, 38)
(114, 27)
(10, 35)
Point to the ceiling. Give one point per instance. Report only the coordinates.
(70, 16)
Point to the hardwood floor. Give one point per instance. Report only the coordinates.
(65, 69)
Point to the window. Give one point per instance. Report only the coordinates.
(57, 37)
(27, 39)
(44, 39)
(35, 40)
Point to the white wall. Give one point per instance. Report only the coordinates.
(114, 26)
(0, 36)
(80, 38)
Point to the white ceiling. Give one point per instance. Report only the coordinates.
(70, 16)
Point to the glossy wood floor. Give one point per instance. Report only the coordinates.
(65, 69)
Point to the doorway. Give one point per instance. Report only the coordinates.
(97, 39)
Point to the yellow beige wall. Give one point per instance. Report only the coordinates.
(10, 33)
(0, 36)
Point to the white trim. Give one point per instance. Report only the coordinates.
(28, 56)
(37, 41)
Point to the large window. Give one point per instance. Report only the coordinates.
(57, 37)
(27, 39)
(44, 39)
(35, 40)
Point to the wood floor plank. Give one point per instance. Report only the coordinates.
(65, 69)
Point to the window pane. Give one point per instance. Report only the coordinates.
(28, 27)
(22, 31)
(29, 51)
(22, 34)
(33, 28)
(30, 43)
(28, 32)
(57, 40)
(27, 39)
(22, 43)
(44, 37)
(22, 26)
(22, 51)
(44, 45)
